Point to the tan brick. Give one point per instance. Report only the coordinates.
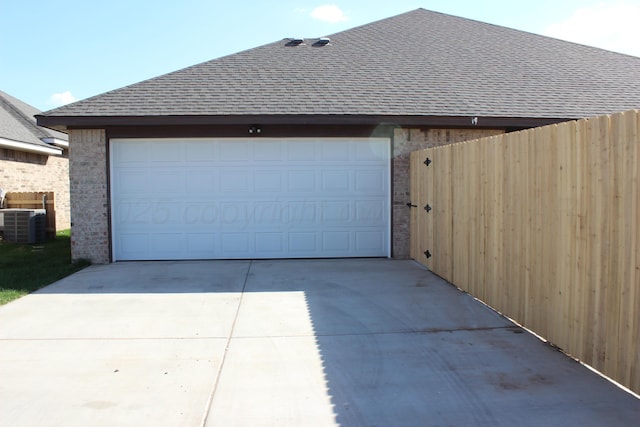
(89, 203)
(30, 172)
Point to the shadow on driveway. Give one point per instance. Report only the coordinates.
(360, 342)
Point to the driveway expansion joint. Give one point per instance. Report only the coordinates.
(207, 408)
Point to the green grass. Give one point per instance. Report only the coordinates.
(26, 268)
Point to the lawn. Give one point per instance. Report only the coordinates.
(26, 268)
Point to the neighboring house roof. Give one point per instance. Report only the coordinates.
(19, 131)
(418, 64)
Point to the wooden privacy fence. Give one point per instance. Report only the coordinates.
(544, 226)
(35, 200)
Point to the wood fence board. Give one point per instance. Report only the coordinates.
(414, 193)
(519, 207)
(616, 238)
(581, 301)
(488, 193)
(575, 331)
(475, 178)
(529, 225)
(428, 181)
(544, 225)
(511, 249)
(514, 254)
(498, 221)
(602, 219)
(633, 334)
(442, 225)
(537, 321)
(622, 277)
(461, 216)
(567, 204)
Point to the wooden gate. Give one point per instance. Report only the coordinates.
(431, 199)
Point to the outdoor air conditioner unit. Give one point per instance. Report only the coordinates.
(25, 225)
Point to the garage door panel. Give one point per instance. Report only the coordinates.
(133, 245)
(234, 151)
(201, 245)
(301, 151)
(235, 244)
(301, 213)
(134, 181)
(201, 216)
(197, 152)
(336, 181)
(133, 213)
(203, 181)
(269, 243)
(370, 210)
(372, 152)
(334, 152)
(250, 198)
(270, 151)
(268, 213)
(170, 244)
(268, 181)
(368, 240)
(302, 243)
(370, 181)
(234, 181)
(172, 181)
(235, 214)
(302, 181)
(166, 152)
(130, 154)
(336, 212)
(336, 241)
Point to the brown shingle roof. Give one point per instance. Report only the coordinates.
(420, 63)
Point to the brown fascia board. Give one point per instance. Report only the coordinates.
(98, 122)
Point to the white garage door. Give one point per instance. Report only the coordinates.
(249, 198)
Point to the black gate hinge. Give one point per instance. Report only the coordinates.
(427, 162)
(411, 206)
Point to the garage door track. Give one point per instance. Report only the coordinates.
(349, 342)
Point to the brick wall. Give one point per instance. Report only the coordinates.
(89, 206)
(404, 142)
(25, 172)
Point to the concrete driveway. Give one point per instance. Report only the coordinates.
(370, 342)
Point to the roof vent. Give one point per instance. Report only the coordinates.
(294, 42)
(322, 41)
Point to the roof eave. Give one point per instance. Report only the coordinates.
(63, 123)
(30, 148)
(56, 141)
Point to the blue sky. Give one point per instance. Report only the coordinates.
(53, 52)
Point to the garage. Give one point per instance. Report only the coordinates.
(249, 198)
